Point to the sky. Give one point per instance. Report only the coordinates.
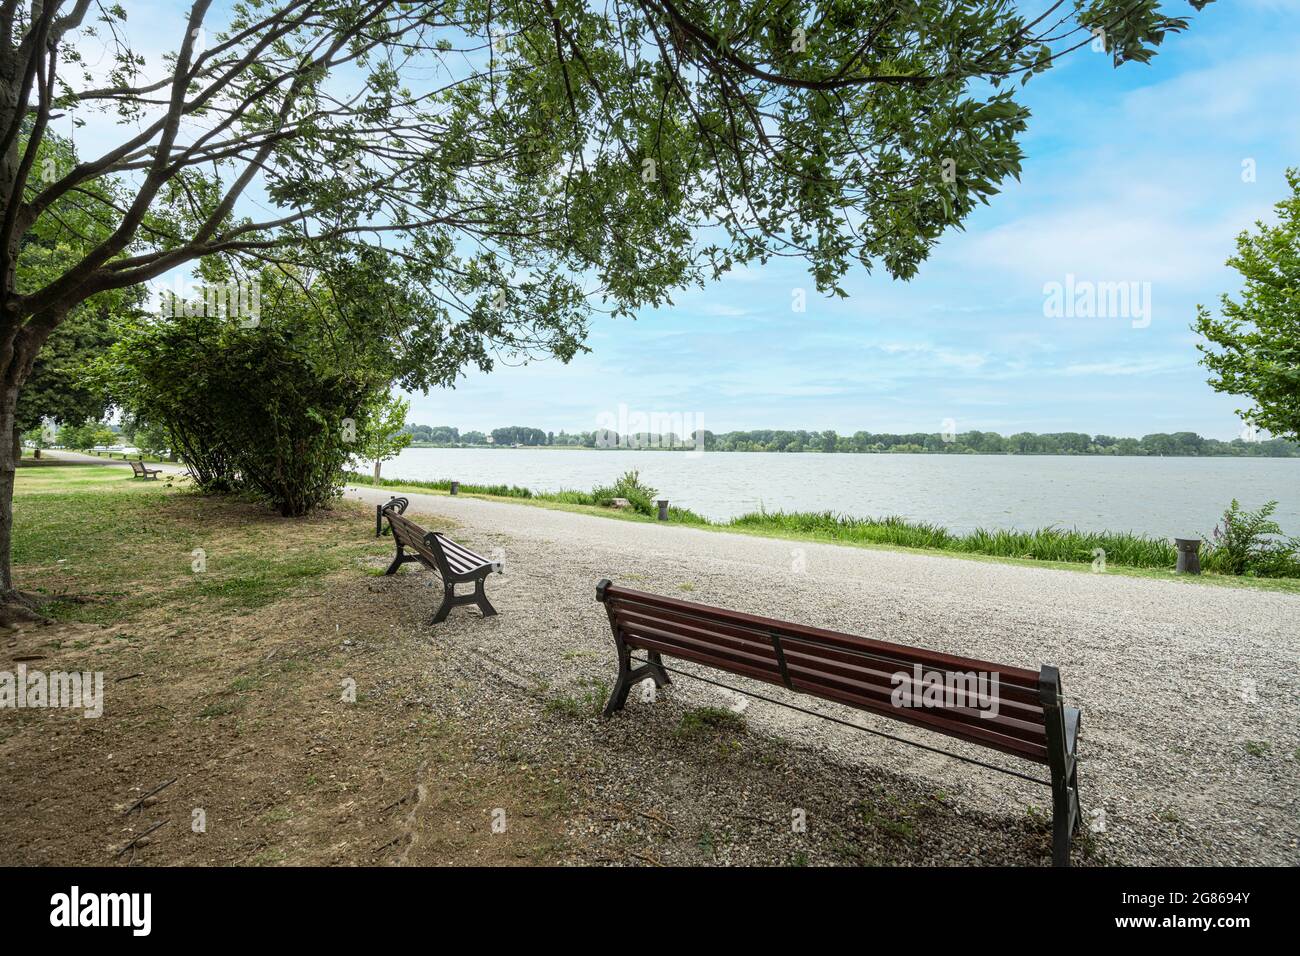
(1132, 175)
(1142, 175)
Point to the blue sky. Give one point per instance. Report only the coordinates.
(1132, 175)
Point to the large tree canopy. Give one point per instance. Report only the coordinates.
(526, 161)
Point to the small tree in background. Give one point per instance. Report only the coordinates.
(382, 432)
(1259, 336)
(40, 437)
(78, 436)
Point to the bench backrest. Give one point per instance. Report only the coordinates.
(438, 551)
(137, 466)
(844, 668)
(410, 535)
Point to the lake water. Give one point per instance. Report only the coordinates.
(1156, 496)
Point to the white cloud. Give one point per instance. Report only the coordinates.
(1155, 366)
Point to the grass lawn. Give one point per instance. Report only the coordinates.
(121, 545)
(227, 683)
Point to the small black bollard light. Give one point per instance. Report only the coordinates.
(663, 509)
(455, 487)
(1189, 555)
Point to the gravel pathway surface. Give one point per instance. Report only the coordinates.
(1190, 739)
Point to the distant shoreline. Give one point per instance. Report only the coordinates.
(1267, 453)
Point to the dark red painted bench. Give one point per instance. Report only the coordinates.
(1029, 721)
(454, 563)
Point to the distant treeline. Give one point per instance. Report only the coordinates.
(963, 443)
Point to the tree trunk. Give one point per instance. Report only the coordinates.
(377, 466)
(8, 464)
(17, 353)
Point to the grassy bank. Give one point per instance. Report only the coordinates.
(1094, 550)
(639, 497)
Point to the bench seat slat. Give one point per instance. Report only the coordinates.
(920, 717)
(460, 560)
(813, 654)
(876, 688)
(926, 718)
(850, 642)
(451, 548)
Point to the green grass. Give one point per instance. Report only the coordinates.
(71, 523)
(1043, 544)
(701, 721)
(588, 703)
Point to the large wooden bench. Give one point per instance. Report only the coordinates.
(140, 471)
(454, 563)
(1022, 714)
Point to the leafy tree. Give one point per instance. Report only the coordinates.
(1258, 336)
(149, 437)
(524, 161)
(59, 388)
(40, 437)
(382, 435)
(84, 435)
(277, 407)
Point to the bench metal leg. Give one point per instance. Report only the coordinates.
(397, 561)
(1066, 817)
(448, 602)
(623, 684)
(451, 599)
(660, 675)
(629, 677)
(1062, 757)
(481, 599)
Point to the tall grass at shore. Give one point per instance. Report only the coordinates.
(1043, 544)
(1260, 555)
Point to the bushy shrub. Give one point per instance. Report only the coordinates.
(276, 407)
(1251, 543)
(629, 485)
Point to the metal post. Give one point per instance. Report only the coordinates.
(663, 509)
(1189, 555)
(455, 487)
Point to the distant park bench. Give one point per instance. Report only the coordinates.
(142, 472)
(454, 563)
(1030, 720)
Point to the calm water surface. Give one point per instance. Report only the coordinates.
(1157, 496)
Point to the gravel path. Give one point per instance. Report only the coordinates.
(1190, 693)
